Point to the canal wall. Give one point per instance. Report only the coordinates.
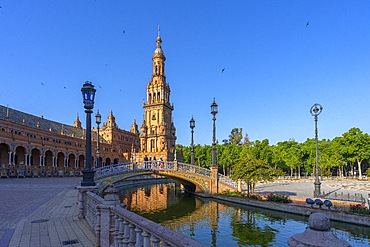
(298, 208)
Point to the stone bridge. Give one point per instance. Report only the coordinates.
(194, 178)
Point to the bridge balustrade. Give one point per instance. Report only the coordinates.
(155, 165)
(182, 167)
(164, 166)
(113, 169)
(227, 180)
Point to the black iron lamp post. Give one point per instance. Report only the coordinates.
(192, 126)
(88, 95)
(98, 122)
(315, 110)
(214, 111)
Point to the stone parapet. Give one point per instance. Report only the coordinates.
(318, 234)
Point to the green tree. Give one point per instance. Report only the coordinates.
(236, 136)
(228, 156)
(357, 146)
(337, 152)
(253, 170)
(308, 149)
(291, 154)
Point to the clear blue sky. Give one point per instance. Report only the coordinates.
(276, 66)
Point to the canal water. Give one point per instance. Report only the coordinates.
(216, 223)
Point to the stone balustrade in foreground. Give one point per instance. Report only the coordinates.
(116, 226)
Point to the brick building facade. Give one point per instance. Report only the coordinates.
(34, 146)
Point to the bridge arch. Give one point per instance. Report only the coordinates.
(189, 185)
(194, 179)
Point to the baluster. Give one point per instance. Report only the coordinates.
(132, 235)
(139, 237)
(112, 227)
(116, 229)
(97, 226)
(155, 241)
(126, 230)
(120, 232)
(146, 237)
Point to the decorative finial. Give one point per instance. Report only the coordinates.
(159, 41)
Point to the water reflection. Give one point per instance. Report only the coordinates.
(216, 223)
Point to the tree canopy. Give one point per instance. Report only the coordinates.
(345, 155)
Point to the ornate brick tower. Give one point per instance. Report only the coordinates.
(157, 131)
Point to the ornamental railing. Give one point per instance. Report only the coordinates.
(182, 167)
(228, 181)
(116, 226)
(162, 166)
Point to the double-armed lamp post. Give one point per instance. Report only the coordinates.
(88, 95)
(214, 111)
(192, 126)
(315, 110)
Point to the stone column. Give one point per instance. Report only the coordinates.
(10, 158)
(214, 180)
(175, 165)
(110, 199)
(82, 199)
(318, 234)
(13, 160)
(240, 187)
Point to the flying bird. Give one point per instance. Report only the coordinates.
(42, 83)
(65, 87)
(124, 31)
(308, 23)
(99, 86)
(222, 71)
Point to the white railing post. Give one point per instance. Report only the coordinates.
(155, 241)
(139, 237)
(97, 226)
(116, 229)
(126, 233)
(120, 232)
(110, 199)
(146, 238)
(132, 234)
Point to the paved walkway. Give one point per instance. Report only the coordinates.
(42, 212)
(302, 189)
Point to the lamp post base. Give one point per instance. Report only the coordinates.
(88, 178)
(317, 191)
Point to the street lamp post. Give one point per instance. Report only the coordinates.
(192, 126)
(98, 121)
(88, 95)
(315, 110)
(214, 111)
